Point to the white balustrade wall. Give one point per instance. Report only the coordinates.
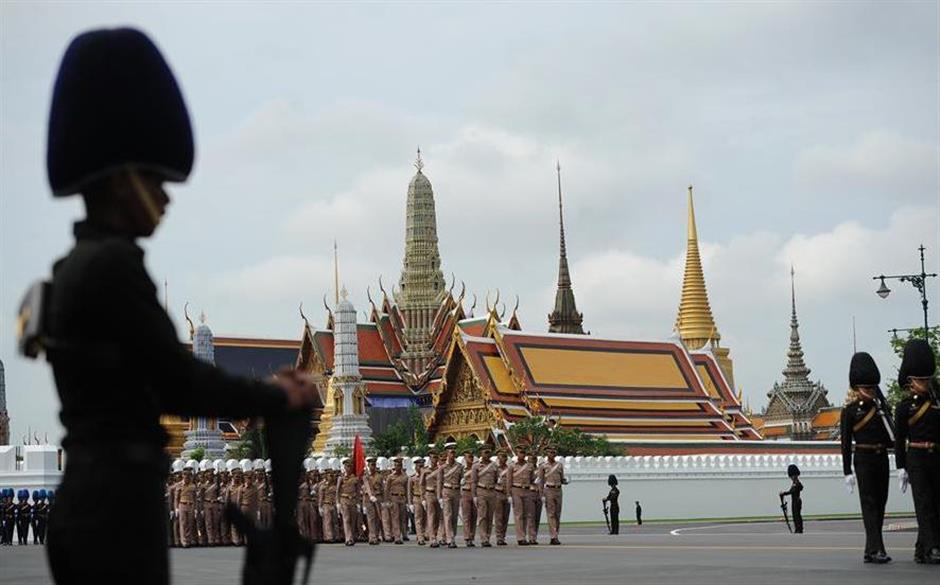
(668, 487)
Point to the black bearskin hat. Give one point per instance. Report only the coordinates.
(115, 103)
(611, 480)
(863, 371)
(793, 470)
(918, 361)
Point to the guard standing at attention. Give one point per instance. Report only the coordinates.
(917, 445)
(349, 491)
(24, 516)
(865, 427)
(613, 498)
(372, 495)
(328, 506)
(40, 516)
(396, 495)
(433, 493)
(795, 493)
(119, 130)
(523, 506)
(186, 504)
(483, 490)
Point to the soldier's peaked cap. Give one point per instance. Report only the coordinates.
(918, 361)
(115, 104)
(863, 371)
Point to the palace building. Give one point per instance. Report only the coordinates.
(473, 376)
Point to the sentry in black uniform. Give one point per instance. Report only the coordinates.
(613, 498)
(118, 130)
(865, 423)
(795, 492)
(917, 445)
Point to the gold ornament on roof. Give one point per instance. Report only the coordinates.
(694, 322)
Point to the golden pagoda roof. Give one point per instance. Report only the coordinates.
(695, 323)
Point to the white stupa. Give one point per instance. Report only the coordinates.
(348, 391)
(204, 432)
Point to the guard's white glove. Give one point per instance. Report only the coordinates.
(903, 480)
(440, 503)
(373, 499)
(850, 483)
(321, 510)
(476, 501)
(339, 509)
(411, 508)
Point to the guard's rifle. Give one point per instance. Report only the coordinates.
(606, 516)
(884, 412)
(271, 554)
(786, 517)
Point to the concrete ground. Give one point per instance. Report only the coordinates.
(726, 554)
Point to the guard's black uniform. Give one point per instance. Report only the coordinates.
(115, 354)
(613, 498)
(862, 426)
(40, 517)
(796, 506)
(917, 449)
(639, 514)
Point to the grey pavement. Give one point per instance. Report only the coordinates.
(726, 554)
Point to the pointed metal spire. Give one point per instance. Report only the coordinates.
(335, 272)
(796, 367)
(419, 164)
(694, 322)
(565, 318)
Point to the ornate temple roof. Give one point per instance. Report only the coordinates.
(565, 318)
(625, 390)
(695, 323)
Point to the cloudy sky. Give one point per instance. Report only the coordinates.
(810, 132)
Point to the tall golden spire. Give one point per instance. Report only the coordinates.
(695, 323)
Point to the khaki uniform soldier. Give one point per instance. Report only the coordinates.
(313, 510)
(551, 476)
(186, 504)
(431, 479)
(327, 504)
(536, 495)
(523, 504)
(385, 508)
(225, 496)
(248, 497)
(468, 508)
(416, 500)
(200, 507)
(265, 497)
(303, 499)
(210, 503)
(483, 489)
(238, 478)
(372, 496)
(175, 485)
(503, 490)
(451, 476)
(396, 493)
(349, 492)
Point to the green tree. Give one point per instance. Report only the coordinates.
(251, 446)
(409, 435)
(342, 451)
(198, 454)
(569, 441)
(895, 392)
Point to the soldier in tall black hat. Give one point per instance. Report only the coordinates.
(796, 496)
(866, 438)
(118, 130)
(917, 445)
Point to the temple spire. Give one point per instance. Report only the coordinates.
(695, 323)
(796, 367)
(336, 272)
(565, 318)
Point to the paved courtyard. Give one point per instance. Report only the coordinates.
(727, 554)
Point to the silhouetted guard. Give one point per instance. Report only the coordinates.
(271, 554)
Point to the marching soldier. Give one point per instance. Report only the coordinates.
(864, 422)
(7, 513)
(372, 495)
(416, 500)
(234, 495)
(468, 508)
(176, 482)
(326, 504)
(503, 489)
(210, 504)
(523, 505)
(186, 504)
(917, 445)
(551, 476)
(433, 494)
(265, 497)
(385, 509)
(349, 491)
(483, 490)
(795, 491)
(226, 495)
(40, 516)
(314, 521)
(199, 480)
(535, 494)
(451, 474)
(248, 495)
(396, 494)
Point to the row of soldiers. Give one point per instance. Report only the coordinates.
(23, 515)
(196, 495)
(376, 505)
(344, 507)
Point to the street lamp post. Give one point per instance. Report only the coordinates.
(919, 281)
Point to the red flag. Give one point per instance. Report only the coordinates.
(359, 457)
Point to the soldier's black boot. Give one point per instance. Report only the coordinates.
(555, 541)
(523, 543)
(452, 545)
(880, 558)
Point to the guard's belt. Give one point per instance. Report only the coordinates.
(553, 485)
(484, 487)
(869, 447)
(520, 485)
(451, 486)
(927, 445)
(430, 490)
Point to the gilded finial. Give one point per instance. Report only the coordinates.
(419, 164)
